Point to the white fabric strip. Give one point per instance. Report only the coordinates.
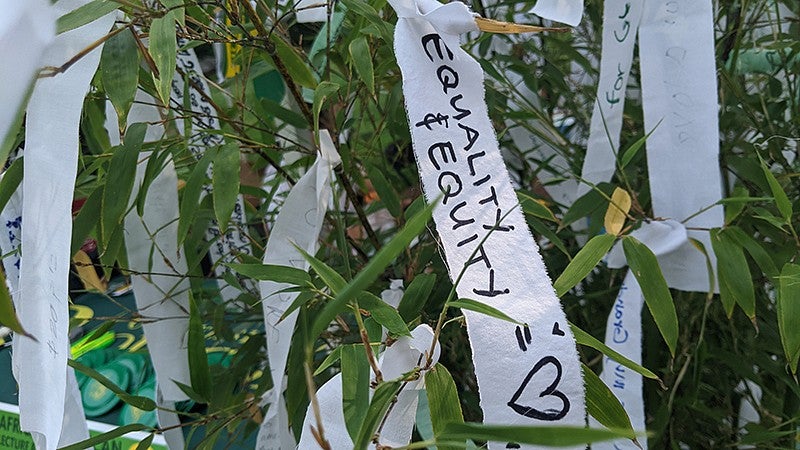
(620, 24)
(564, 11)
(526, 375)
(224, 249)
(151, 244)
(51, 154)
(298, 224)
(402, 357)
(26, 29)
(679, 91)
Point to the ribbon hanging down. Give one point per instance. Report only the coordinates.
(298, 225)
(226, 246)
(51, 154)
(527, 375)
(564, 11)
(26, 29)
(158, 268)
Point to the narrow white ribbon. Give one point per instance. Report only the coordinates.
(298, 224)
(158, 279)
(624, 326)
(224, 248)
(51, 154)
(527, 375)
(26, 29)
(402, 357)
(564, 11)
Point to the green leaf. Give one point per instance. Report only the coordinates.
(296, 66)
(198, 361)
(604, 406)
(164, 50)
(416, 295)
(191, 195)
(533, 207)
(107, 436)
(355, 387)
(225, 181)
(643, 264)
(385, 191)
(631, 151)
(119, 72)
(321, 94)
(8, 316)
(119, 180)
(789, 313)
(381, 400)
(443, 402)
(552, 436)
(373, 269)
(10, 181)
(735, 281)
(781, 199)
(85, 14)
(584, 338)
(483, 308)
(143, 403)
(362, 61)
(384, 314)
(329, 360)
(278, 274)
(587, 204)
(583, 263)
(145, 443)
(274, 109)
(756, 251)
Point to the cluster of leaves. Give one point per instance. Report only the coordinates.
(342, 76)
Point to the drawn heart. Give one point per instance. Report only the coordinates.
(549, 391)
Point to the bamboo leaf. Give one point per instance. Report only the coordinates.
(656, 294)
(143, 403)
(8, 315)
(296, 67)
(583, 263)
(10, 181)
(164, 50)
(191, 195)
(378, 406)
(362, 61)
(535, 207)
(278, 274)
(584, 338)
(225, 180)
(781, 199)
(85, 14)
(355, 387)
(384, 314)
(416, 295)
(321, 94)
(604, 406)
(120, 178)
(119, 72)
(482, 308)
(198, 361)
(617, 211)
(443, 402)
(107, 436)
(735, 281)
(789, 313)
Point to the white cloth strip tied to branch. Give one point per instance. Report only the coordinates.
(298, 224)
(51, 155)
(527, 375)
(225, 247)
(564, 11)
(26, 29)
(158, 267)
(676, 48)
(398, 359)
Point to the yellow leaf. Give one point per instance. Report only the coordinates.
(617, 210)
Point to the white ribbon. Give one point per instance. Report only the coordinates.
(402, 357)
(298, 224)
(158, 279)
(564, 11)
(224, 248)
(526, 375)
(51, 154)
(26, 29)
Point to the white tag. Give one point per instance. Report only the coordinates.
(679, 94)
(564, 11)
(298, 224)
(224, 249)
(620, 24)
(526, 375)
(311, 11)
(26, 29)
(51, 156)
